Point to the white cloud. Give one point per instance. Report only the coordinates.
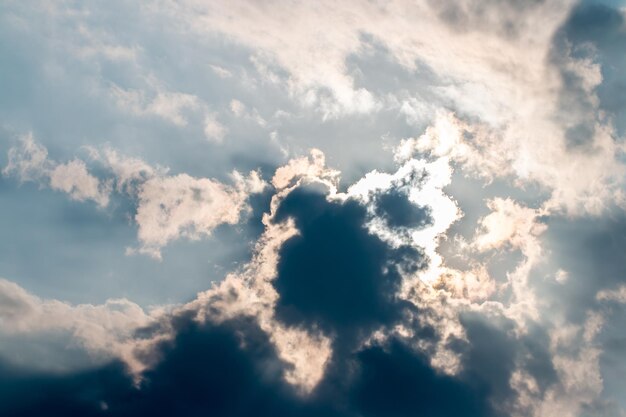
(172, 207)
(508, 224)
(324, 35)
(617, 295)
(29, 161)
(512, 226)
(213, 130)
(240, 110)
(544, 159)
(490, 64)
(305, 169)
(237, 107)
(221, 71)
(74, 179)
(424, 183)
(170, 106)
(169, 207)
(97, 42)
(129, 172)
(561, 276)
(106, 330)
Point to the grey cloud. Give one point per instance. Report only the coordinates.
(593, 34)
(507, 18)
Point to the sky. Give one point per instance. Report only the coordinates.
(296, 208)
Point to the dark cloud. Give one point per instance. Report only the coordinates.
(220, 370)
(398, 211)
(232, 370)
(594, 32)
(591, 251)
(603, 27)
(81, 394)
(335, 274)
(492, 353)
(394, 381)
(506, 18)
(224, 370)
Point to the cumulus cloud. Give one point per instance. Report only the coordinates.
(338, 300)
(513, 74)
(105, 331)
(178, 206)
(295, 319)
(321, 39)
(430, 286)
(28, 161)
(168, 207)
(492, 153)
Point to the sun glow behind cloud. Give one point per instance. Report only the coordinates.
(409, 206)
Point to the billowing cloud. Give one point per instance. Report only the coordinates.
(105, 331)
(182, 206)
(330, 308)
(306, 305)
(426, 200)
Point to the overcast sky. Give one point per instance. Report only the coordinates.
(313, 208)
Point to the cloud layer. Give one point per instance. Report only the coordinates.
(356, 209)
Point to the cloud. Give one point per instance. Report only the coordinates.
(492, 70)
(322, 38)
(423, 184)
(105, 331)
(29, 161)
(618, 295)
(213, 129)
(333, 316)
(508, 224)
(129, 172)
(333, 274)
(244, 378)
(74, 179)
(168, 105)
(174, 107)
(168, 207)
(492, 153)
(480, 273)
(178, 206)
(258, 333)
